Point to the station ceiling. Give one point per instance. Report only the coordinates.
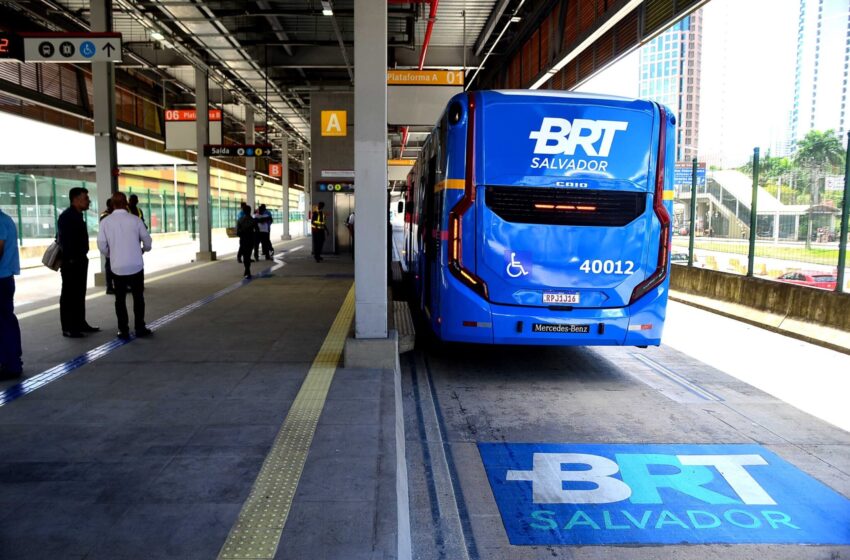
(273, 54)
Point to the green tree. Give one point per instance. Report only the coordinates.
(821, 150)
(818, 153)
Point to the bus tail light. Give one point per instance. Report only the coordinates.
(466, 276)
(660, 273)
(571, 207)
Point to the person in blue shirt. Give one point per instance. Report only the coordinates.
(11, 366)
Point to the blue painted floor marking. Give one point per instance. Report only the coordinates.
(627, 494)
(58, 371)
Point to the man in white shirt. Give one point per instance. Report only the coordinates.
(123, 238)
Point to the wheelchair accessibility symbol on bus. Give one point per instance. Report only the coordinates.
(515, 268)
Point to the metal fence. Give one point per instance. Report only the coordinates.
(770, 218)
(35, 202)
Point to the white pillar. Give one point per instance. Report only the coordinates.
(103, 86)
(250, 163)
(205, 252)
(776, 228)
(308, 192)
(284, 182)
(370, 168)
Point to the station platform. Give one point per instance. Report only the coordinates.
(194, 443)
(235, 432)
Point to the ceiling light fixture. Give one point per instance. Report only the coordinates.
(157, 36)
(327, 9)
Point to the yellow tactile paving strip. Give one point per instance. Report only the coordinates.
(256, 533)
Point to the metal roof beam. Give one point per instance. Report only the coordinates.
(490, 26)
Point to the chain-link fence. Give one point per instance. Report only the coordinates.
(774, 218)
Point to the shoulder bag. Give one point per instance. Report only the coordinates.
(52, 258)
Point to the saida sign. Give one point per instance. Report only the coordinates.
(588, 494)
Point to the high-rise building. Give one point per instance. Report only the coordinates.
(821, 76)
(670, 74)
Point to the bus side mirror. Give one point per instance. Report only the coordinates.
(400, 208)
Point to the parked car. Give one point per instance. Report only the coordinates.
(812, 278)
(682, 258)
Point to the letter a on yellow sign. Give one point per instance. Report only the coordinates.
(333, 123)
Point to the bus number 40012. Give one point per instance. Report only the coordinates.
(607, 267)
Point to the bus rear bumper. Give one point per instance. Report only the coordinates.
(471, 319)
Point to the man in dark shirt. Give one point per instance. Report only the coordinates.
(318, 229)
(73, 237)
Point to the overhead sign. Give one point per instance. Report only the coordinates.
(72, 47)
(683, 175)
(337, 173)
(183, 115)
(334, 123)
(11, 47)
(180, 128)
(425, 77)
(588, 494)
(418, 104)
(238, 150)
(276, 169)
(335, 186)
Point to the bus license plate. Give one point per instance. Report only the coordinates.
(561, 297)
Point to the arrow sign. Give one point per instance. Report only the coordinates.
(72, 47)
(237, 150)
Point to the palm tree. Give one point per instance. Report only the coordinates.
(819, 149)
(816, 152)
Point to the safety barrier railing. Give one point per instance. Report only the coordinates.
(784, 219)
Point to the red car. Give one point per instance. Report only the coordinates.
(813, 278)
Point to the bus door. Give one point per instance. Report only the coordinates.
(431, 240)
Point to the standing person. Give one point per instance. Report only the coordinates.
(73, 238)
(319, 229)
(123, 238)
(110, 286)
(257, 235)
(246, 229)
(11, 366)
(135, 210)
(264, 227)
(239, 217)
(349, 223)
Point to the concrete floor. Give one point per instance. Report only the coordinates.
(457, 396)
(150, 451)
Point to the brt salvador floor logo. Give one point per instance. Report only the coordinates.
(589, 494)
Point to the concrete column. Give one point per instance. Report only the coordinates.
(308, 191)
(370, 168)
(103, 86)
(284, 181)
(205, 252)
(250, 163)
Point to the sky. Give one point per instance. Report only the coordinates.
(748, 64)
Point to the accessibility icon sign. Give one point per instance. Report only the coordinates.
(87, 49)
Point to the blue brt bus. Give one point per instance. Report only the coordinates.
(536, 217)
